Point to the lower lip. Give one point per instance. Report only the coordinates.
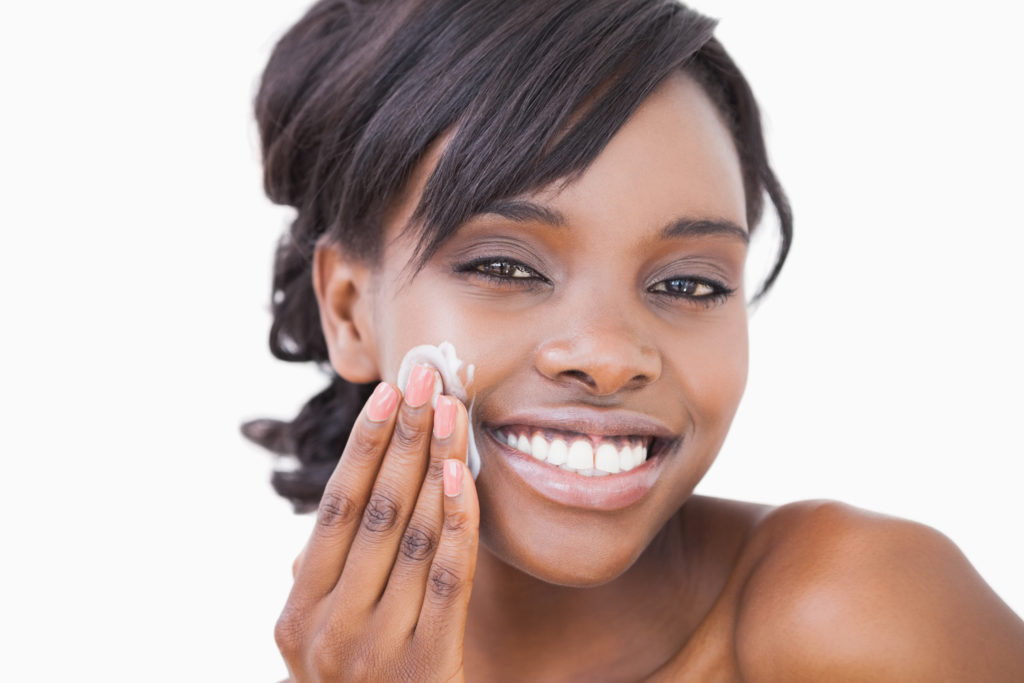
(611, 492)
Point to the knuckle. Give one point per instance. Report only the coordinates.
(336, 510)
(458, 522)
(297, 563)
(363, 666)
(335, 659)
(406, 437)
(381, 513)
(435, 472)
(334, 649)
(326, 656)
(363, 450)
(445, 584)
(289, 632)
(418, 544)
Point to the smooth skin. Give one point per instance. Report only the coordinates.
(598, 306)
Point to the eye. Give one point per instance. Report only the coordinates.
(504, 270)
(684, 287)
(694, 289)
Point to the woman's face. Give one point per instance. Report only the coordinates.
(610, 313)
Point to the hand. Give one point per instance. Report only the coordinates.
(382, 588)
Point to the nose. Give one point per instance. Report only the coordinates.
(604, 356)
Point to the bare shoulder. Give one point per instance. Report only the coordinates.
(837, 593)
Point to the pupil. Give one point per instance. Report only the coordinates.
(685, 286)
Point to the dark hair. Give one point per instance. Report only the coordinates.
(356, 92)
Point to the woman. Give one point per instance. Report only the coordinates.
(564, 191)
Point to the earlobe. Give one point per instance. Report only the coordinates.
(342, 284)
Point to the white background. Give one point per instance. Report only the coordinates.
(141, 540)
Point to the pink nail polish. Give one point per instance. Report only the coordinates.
(382, 403)
(452, 478)
(444, 417)
(421, 386)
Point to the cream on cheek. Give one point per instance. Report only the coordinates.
(418, 320)
(454, 380)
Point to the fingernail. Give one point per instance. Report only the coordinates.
(444, 417)
(420, 387)
(452, 478)
(382, 403)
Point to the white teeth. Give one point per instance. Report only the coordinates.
(539, 447)
(606, 458)
(558, 452)
(592, 472)
(581, 455)
(626, 459)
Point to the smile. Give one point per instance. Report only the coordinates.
(584, 454)
(596, 460)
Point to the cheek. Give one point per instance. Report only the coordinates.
(713, 367)
(428, 311)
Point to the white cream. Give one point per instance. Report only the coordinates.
(443, 358)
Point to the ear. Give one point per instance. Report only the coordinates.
(342, 286)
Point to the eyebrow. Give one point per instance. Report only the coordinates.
(690, 227)
(524, 211)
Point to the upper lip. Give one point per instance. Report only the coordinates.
(588, 421)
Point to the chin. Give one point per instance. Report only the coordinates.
(526, 527)
(561, 557)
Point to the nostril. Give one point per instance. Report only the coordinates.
(589, 381)
(579, 375)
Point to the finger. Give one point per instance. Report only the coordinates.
(403, 597)
(345, 496)
(299, 559)
(392, 500)
(450, 579)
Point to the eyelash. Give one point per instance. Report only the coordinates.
(476, 268)
(719, 292)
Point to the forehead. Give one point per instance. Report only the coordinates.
(673, 157)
